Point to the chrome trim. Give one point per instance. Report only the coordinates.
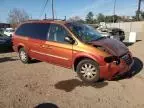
(49, 55)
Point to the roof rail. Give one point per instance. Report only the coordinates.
(46, 19)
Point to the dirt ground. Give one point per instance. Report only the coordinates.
(49, 86)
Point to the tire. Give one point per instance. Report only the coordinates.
(24, 56)
(122, 38)
(85, 68)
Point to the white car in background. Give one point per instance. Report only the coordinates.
(9, 31)
(115, 33)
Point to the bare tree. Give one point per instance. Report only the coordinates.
(17, 16)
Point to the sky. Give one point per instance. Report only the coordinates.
(68, 8)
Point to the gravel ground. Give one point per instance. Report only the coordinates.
(46, 85)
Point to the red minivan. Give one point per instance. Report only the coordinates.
(72, 45)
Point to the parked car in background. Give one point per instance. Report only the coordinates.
(1, 30)
(5, 42)
(114, 33)
(117, 33)
(72, 45)
(9, 31)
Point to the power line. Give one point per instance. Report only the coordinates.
(43, 9)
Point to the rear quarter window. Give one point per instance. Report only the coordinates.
(34, 30)
(21, 30)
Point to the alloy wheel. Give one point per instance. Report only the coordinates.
(23, 56)
(88, 71)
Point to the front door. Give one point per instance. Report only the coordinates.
(61, 51)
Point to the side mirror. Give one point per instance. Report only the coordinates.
(69, 40)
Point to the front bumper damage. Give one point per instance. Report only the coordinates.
(111, 70)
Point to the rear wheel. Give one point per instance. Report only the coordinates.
(24, 56)
(88, 70)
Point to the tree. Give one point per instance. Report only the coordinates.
(142, 15)
(116, 18)
(17, 16)
(109, 19)
(76, 19)
(103, 18)
(100, 18)
(139, 16)
(89, 18)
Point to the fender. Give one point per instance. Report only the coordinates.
(21, 42)
(99, 59)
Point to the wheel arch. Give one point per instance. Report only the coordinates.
(79, 58)
(20, 46)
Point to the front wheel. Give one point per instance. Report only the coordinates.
(88, 70)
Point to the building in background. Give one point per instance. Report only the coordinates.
(4, 25)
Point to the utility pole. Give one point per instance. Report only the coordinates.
(52, 9)
(31, 17)
(45, 16)
(114, 11)
(138, 11)
(65, 18)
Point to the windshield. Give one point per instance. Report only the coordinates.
(84, 32)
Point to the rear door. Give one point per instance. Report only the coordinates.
(38, 35)
(20, 37)
(60, 51)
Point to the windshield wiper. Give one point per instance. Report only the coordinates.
(99, 38)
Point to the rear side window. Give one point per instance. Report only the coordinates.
(34, 30)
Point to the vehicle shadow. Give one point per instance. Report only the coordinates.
(5, 59)
(34, 61)
(69, 85)
(138, 40)
(46, 105)
(130, 44)
(136, 68)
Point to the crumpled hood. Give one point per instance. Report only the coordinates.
(114, 47)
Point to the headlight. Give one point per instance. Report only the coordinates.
(111, 59)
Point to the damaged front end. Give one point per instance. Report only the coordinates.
(119, 60)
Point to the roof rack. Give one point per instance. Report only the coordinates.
(55, 19)
(32, 20)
